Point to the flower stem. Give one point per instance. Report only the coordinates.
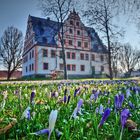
(121, 134)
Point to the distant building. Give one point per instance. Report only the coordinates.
(135, 73)
(86, 55)
(15, 75)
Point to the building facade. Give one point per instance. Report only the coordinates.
(86, 56)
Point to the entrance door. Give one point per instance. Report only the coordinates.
(93, 70)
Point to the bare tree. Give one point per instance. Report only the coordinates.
(100, 14)
(115, 57)
(11, 50)
(130, 8)
(129, 58)
(59, 9)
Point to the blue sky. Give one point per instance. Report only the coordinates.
(15, 12)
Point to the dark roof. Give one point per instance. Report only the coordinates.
(96, 43)
(46, 29)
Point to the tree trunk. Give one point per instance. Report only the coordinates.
(63, 52)
(9, 75)
(108, 42)
(109, 56)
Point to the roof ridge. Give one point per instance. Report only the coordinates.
(41, 18)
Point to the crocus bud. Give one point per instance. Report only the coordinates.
(124, 115)
(105, 116)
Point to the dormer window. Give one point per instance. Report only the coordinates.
(70, 31)
(86, 44)
(71, 22)
(102, 58)
(78, 32)
(77, 23)
(79, 43)
(70, 42)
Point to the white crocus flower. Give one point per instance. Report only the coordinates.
(2, 105)
(52, 119)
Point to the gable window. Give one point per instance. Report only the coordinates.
(26, 69)
(68, 67)
(79, 43)
(73, 67)
(82, 56)
(53, 53)
(71, 22)
(93, 57)
(45, 66)
(82, 67)
(85, 33)
(102, 68)
(68, 55)
(102, 58)
(32, 53)
(44, 39)
(61, 66)
(32, 67)
(60, 54)
(70, 31)
(87, 56)
(77, 23)
(70, 42)
(86, 44)
(45, 53)
(78, 32)
(73, 56)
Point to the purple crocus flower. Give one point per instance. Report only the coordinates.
(52, 121)
(80, 102)
(121, 99)
(78, 108)
(131, 105)
(58, 133)
(65, 98)
(52, 94)
(118, 100)
(32, 96)
(75, 92)
(101, 108)
(97, 110)
(124, 115)
(26, 113)
(68, 99)
(96, 95)
(16, 92)
(109, 101)
(128, 93)
(41, 132)
(105, 116)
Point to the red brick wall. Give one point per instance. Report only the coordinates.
(15, 75)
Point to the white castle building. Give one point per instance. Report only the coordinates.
(86, 56)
